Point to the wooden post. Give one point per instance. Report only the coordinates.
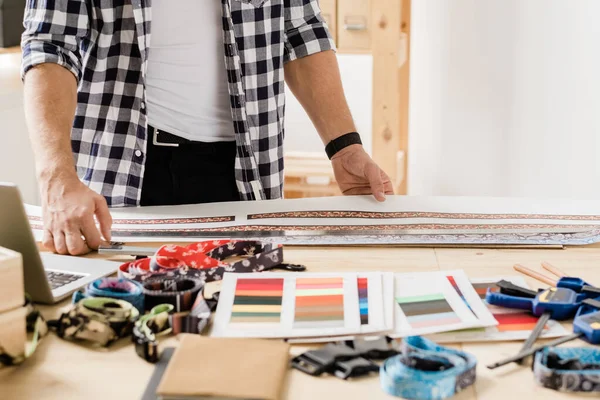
(390, 105)
(404, 92)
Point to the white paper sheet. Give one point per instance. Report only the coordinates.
(288, 324)
(427, 303)
(388, 311)
(362, 220)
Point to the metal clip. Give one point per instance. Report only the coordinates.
(591, 291)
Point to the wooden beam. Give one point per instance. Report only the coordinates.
(404, 84)
(386, 25)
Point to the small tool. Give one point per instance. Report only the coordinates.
(555, 302)
(586, 325)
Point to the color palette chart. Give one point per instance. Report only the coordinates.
(508, 319)
(426, 303)
(319, 302)
(303, 305)
(257, 301)
(363, 300)
(428, 310)
(511, 324)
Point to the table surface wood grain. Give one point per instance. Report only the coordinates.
(65, 370)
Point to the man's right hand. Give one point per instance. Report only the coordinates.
(68, 208)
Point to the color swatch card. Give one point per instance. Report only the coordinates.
(512, 324)
(427, 303)
(299, 305)
(369, 294)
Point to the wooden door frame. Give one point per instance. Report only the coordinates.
(390, 44)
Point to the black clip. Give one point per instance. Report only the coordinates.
(315, 362)
(354, 368)
(373, 349)
(291, 267)
(511, 289)
(145, 347)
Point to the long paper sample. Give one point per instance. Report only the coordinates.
(427, 303)
(300, 305)
(362, 220)
(512, 324)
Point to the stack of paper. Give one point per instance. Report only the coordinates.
(336, 305)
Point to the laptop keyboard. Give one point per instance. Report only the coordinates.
(58, 279)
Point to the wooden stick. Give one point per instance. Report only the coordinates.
(537, 276)
(549, 267)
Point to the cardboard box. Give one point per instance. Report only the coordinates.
(12, 294)
(13, 331)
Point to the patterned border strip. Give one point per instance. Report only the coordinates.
(177, 221)
(356, 228)
(415, 214)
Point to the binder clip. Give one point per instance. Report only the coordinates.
(316, 362)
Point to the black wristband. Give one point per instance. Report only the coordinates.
(341, 142)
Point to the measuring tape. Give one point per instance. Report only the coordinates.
(427, 371)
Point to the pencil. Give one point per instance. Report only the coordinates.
(549, 267)
(537, 276)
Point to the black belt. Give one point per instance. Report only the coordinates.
(161, 138)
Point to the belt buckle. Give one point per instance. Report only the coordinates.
(157, 143)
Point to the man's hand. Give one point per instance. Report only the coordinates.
(356, 173)
(69, 208)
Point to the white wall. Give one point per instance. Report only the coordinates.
(356, 71)
(16, 156)
(505, 98)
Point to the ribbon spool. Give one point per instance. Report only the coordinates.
(204, 260)
(101, 320)
(427, 371)
(180, 293)
(115, 288)
(146, 330)
(176, 305)
(568, 369)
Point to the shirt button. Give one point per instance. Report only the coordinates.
(138, 153)
(143, 106)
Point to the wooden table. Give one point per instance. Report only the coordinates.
(64, 370)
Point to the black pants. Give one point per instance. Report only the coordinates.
(192, 173)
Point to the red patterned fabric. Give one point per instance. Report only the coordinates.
(205, 260)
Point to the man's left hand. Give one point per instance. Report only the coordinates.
(356, 173)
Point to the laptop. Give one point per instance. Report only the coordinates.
(48, 278)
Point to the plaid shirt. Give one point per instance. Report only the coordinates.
(105, 44)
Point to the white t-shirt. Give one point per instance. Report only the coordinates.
(186, 82)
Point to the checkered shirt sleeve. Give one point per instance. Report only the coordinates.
(54, 32)
(305, 29)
